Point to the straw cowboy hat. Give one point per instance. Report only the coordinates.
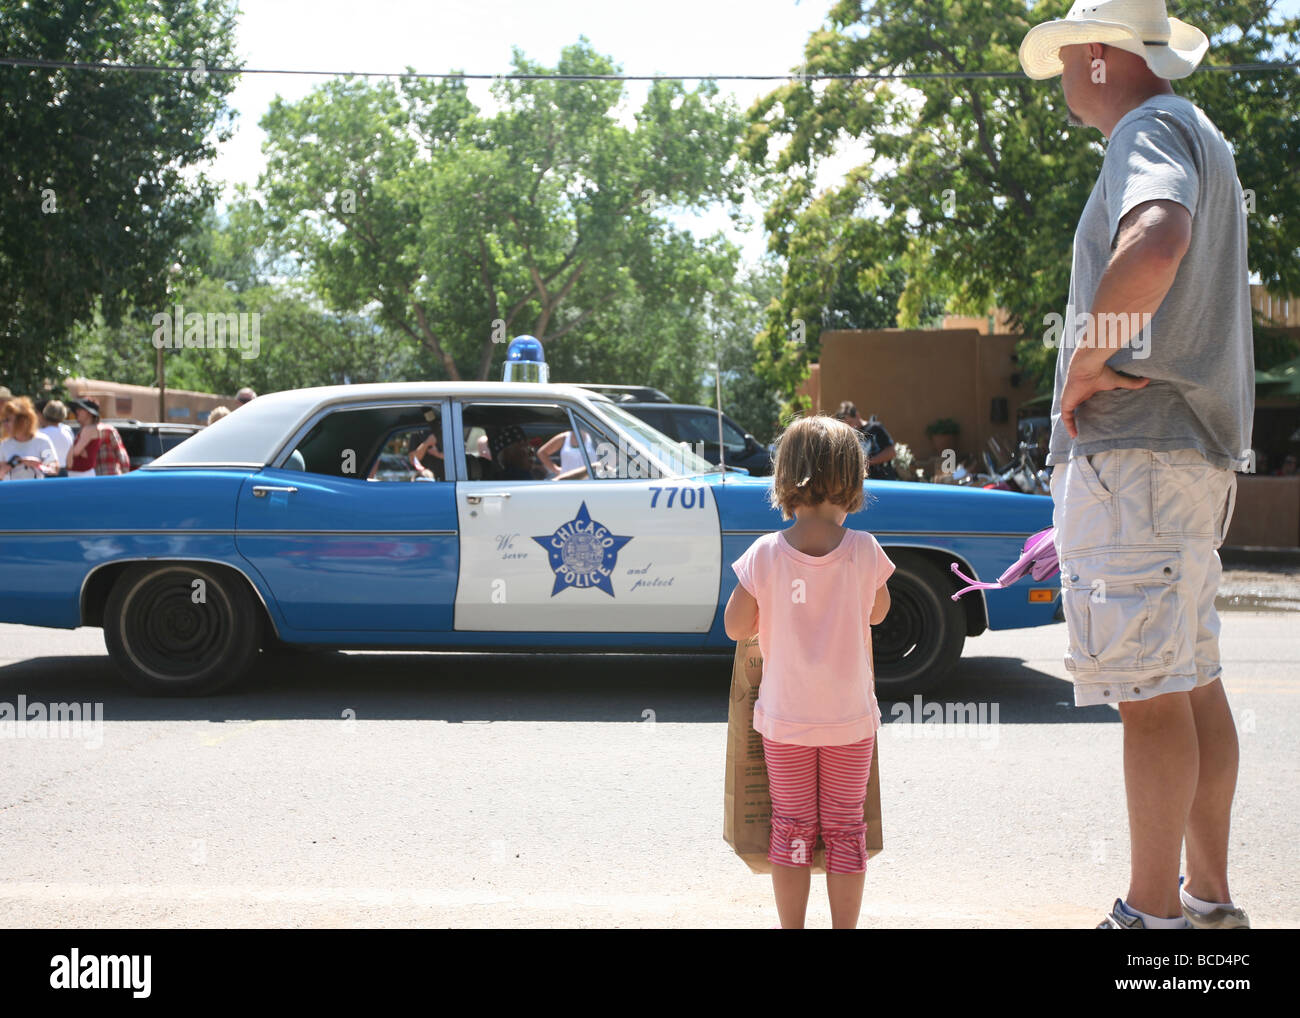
(1171, 48)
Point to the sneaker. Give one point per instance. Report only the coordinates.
(1118, 919)
(1219, 919)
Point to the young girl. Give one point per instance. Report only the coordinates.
(811, 592)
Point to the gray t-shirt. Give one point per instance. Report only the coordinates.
(1198, 349)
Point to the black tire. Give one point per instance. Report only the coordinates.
(922, 636)
(165, 643)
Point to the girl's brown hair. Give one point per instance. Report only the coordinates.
(818, 459)
(23, 418)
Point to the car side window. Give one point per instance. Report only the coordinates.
(411, 454)
(657, 419)
(170, 440)
(694, 427)
(370, 443)
(509, 441)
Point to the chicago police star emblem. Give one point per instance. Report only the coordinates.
(582, 552)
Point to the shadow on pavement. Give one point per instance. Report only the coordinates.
(460, 687)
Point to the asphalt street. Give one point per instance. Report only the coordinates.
(392, 789)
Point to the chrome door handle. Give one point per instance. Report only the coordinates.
(260, 490)
(476, 499)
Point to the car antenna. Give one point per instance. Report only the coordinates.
(722, 452)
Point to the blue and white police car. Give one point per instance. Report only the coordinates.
(515, 515)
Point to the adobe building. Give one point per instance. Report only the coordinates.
(116, 399)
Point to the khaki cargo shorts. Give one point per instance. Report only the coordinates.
(1137, 534)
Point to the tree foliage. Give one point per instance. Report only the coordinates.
(464, 228)
(98, 167)
(230, 268)
(974, 186)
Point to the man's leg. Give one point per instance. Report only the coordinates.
(1208, 821)
(1161, 753)
(1216, 732)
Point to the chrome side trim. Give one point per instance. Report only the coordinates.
(166, 467)
(225, 533)
(346, 533)
(1019, 535)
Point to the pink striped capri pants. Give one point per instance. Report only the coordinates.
(819, 789)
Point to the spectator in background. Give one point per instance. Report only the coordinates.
(26, 454)
(245, 395)
(55, 413)
(1288, 467)
(6, 415)
(877, 446)
(217, 414)
(426, 456)
(98, 449)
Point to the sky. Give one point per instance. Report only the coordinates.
(664, 37)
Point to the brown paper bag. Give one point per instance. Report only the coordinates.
(747, 803)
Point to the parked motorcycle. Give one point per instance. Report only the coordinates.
(1020, 471)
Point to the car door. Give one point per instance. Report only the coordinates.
(617, 550)
(341, 549)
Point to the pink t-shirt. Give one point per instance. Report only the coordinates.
(814, 631)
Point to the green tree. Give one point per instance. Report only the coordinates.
(465, 229)
(974, 186)
(230, 268)
(98, 167)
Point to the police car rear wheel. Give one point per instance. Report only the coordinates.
(922, 636)
(181, 629)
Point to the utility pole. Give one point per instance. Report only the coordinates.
(158, 363)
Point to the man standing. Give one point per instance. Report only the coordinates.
(1151, 414)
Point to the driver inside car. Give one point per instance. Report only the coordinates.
(518, 461)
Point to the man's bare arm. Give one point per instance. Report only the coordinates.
(1152, 239)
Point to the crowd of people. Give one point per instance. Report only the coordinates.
(36, 441)
(36, 445)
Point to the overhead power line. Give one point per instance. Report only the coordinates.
(199, 68)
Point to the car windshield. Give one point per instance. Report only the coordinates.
(675, 457)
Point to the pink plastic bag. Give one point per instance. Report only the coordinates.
(1037, 559)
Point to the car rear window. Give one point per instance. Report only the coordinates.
(171, 439)
(137, 442)
(695, 426)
